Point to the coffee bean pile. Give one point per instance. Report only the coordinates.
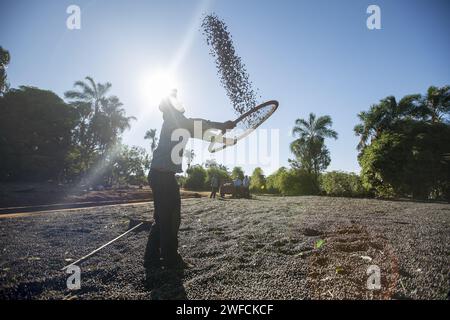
(231, 70)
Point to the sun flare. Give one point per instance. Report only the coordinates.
(157, 85)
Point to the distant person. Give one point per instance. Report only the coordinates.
(246, 182)
(214, 186)
(237, 187)
(163, 237)
(246, 186)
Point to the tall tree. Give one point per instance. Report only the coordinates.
(4, 61)
(115, 122)
(189, 154)
(102, 120)
(383, 116)
(89, 92)
(409, 161)
(35, 135)
(312, 156)
(434, 107)
(309, 148)
(151, 135)
(403, 145)
(87, 98)
(314, 128)
(237, 173)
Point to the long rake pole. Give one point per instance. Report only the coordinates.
(102, 247)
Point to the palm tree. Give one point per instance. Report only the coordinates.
(314, 128)
(87, 100)
(384, 116)
(4, 61)
(309, 148)
(89, 92)
(435, 106)
(102, 120)
(151, 135)
(116, 120)
(189, 155)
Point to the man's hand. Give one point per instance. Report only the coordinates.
(228, 125)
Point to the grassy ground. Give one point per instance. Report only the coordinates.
(268, 247)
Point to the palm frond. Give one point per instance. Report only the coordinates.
(93, 85)
(312, 118)
(329, 133)
(85, 88)
(102, 89)
(302, 123)
(323, 122)
(72, 94)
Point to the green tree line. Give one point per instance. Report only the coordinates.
(43, 137)
(404, 145)
(404, 151)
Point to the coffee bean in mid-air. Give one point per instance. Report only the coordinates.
(231, 71)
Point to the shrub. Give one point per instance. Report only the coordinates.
(237, 173)
(292, 182)
(297, 182)
(258, 181)
(409, 162)
(196, 178)
(222, 174)
(273, 181)
(342, 184)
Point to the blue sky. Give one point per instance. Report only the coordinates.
(312, 56)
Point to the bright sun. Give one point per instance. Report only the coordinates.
(157, 85)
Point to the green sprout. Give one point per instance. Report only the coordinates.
(319, 243)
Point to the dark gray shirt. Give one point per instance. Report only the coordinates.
(169, 153)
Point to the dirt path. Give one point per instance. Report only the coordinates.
(270, 247)
(30, 197)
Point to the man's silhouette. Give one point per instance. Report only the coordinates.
(163, 238)
(214, 186)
